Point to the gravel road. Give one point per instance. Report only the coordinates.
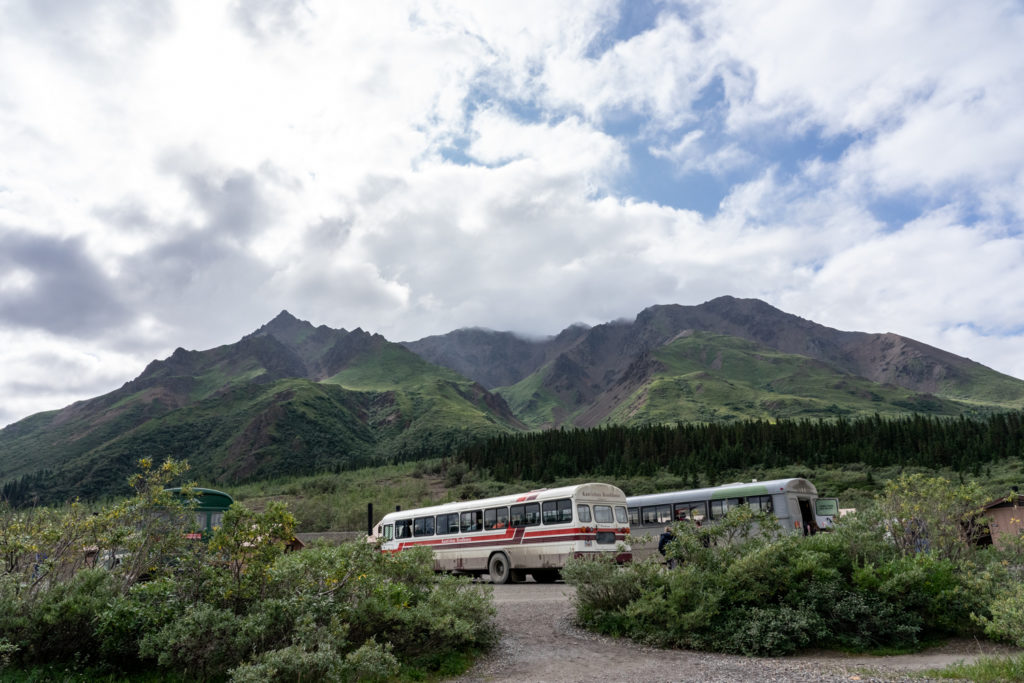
(539, 643)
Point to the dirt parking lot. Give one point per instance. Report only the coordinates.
(539, 643)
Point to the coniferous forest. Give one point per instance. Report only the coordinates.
(711, 450)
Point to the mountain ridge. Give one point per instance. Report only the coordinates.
(294, 398)
(597, 358)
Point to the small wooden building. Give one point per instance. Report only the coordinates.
(1006, 518)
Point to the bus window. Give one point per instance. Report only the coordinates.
(387, 532)
(448, 524)
(403, 528)
(692, 512)
(496, 518)
(603, 514)
(423, 526)
(583, 512)
(634, 516)
(761, 503)
(472, 521)
(531, 513)
(720, 507)
(657, 514)
(621, 517)
(527, 514)
(557, 511)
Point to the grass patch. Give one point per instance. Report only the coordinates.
(983, 670)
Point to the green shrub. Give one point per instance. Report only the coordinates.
(851, 588)
(292, 663)
(774, 630)
(146, 608)
(58, 625)
(604, 590)
(371, 662)
(204, 640)
(237, 606)
(7, 648)
(1007, 620)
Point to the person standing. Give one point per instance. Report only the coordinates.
(666, 538)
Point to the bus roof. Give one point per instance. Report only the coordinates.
(591, 490)
(207, 499)
(735, 490)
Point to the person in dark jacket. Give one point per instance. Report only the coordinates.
(666, 537)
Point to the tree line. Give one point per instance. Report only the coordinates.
(709, 450)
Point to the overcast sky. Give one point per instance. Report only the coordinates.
(176, 172)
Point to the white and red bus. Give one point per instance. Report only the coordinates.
(508, 537)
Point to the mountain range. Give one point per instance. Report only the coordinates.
(291, 398)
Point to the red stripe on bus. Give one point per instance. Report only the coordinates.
(562, 536)
(513, 536)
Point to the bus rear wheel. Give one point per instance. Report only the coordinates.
(498, 569)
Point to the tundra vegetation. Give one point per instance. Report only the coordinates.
(121, 592)
(902, 573)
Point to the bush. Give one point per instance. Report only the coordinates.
(601, 585)
(237, 606)
(851, 588)
(775, 630)
(146, 608)
(204, 639)
(1007, 610)
(58, 624)
(371, 662)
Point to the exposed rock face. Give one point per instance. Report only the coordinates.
(582, 365)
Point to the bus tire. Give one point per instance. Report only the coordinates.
(498, 568)
(545, 575)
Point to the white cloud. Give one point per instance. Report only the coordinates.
(176, 173)
(931, 89)
(658, 73)
(690, 155)
(40, 371)
(926, 281)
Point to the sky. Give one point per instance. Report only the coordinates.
(174, 173)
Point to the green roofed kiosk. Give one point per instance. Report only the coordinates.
(209, 508)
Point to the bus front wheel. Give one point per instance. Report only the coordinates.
(499, 569)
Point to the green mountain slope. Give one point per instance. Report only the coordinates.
(288, 399)
(581, 376)
(712, 377)
(707, 377)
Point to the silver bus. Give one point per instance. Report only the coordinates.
(794, 502)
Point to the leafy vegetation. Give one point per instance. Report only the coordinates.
(890, 578)
(714, 452)
(123, 592)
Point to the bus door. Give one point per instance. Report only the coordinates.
(806, 515)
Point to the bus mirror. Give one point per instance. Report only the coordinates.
(826, 507)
